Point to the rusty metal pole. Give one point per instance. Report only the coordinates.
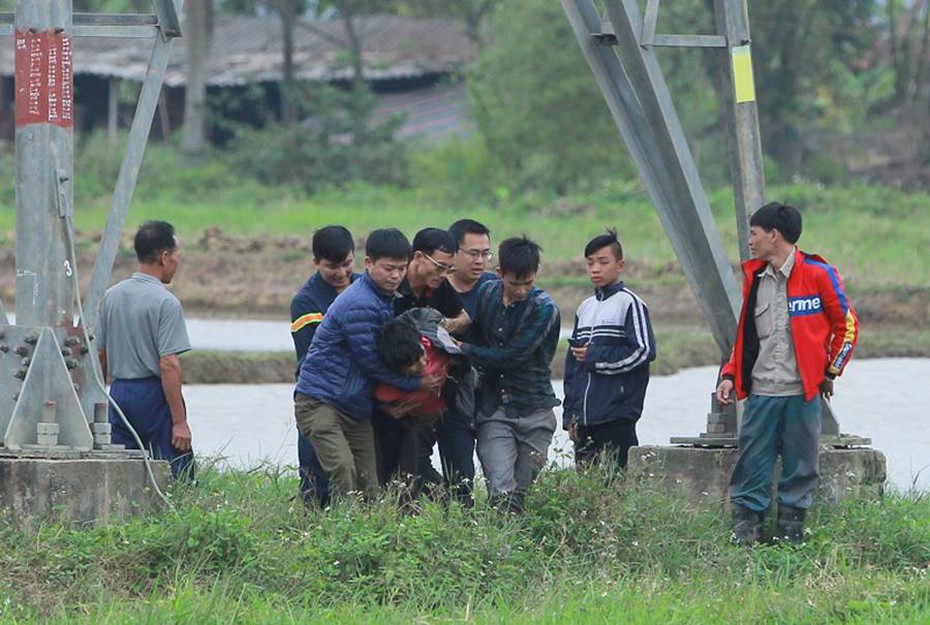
(44, 169)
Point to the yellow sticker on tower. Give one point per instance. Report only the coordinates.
(743, 82)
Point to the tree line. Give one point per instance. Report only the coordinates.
(842, 86)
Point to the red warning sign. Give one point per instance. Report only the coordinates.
(44, 79)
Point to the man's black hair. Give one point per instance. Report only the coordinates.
(153, 238)
(399, 345)
(467, 226)
(519, 256)
(604, 240)
(332, 243)
(387, 243)
(782, 217)
(428, 240)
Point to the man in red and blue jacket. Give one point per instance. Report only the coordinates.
(796, 333)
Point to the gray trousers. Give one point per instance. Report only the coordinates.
(344, 446)
(513, 451)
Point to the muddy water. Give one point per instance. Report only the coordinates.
(885, 399)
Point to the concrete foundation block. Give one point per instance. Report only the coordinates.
(83, 491)
(703, 474)
(47, 440)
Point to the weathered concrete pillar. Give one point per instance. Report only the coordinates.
(83, 490)
(704, 473)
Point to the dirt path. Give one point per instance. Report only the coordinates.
(255, 277)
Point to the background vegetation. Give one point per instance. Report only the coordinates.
(843, 103)
(236, 549)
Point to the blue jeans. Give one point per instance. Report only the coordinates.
(144, 404)
(772, 426)
(313, 480)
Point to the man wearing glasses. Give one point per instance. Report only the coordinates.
(473, 253)
(424, 285)
(456, 431)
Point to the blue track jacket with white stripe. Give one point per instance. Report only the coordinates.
(610, 384)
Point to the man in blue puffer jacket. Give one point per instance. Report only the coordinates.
(333, 399)
(607, 366)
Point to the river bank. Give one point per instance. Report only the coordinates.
(255, 277)
(679, 347)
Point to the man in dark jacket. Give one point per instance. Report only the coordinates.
(513, 340)
(425, 285)
(334, 258)
(333, 398)
(607, 366)
(796, 333)
(456, 430)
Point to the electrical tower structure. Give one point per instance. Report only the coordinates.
(52, 401)
(619, 42)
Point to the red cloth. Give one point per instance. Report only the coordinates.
(431, 402)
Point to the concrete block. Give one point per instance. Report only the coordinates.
(47, 440)
(83, 491)
(703, 474)
(47, 428)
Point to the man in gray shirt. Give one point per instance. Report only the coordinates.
(140, 335)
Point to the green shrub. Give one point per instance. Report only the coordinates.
(238, 548)
(458, 171)
(339, 144)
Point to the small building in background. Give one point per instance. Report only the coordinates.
(409, 63)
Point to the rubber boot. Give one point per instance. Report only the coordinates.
(790, 528)
(747, 526)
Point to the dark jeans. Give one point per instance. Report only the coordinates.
(456, 435)
(773, 426)
(613, 438)
(405, 447)
(313, 480)
(144, 404)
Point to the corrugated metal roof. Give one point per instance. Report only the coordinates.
(433, 112)
(248, 50)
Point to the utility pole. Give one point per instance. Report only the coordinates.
(51, 406)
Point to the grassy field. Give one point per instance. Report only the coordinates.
(878, 236)
(238, 549)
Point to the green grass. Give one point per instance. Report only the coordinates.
(878, 236)
(238, 549)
